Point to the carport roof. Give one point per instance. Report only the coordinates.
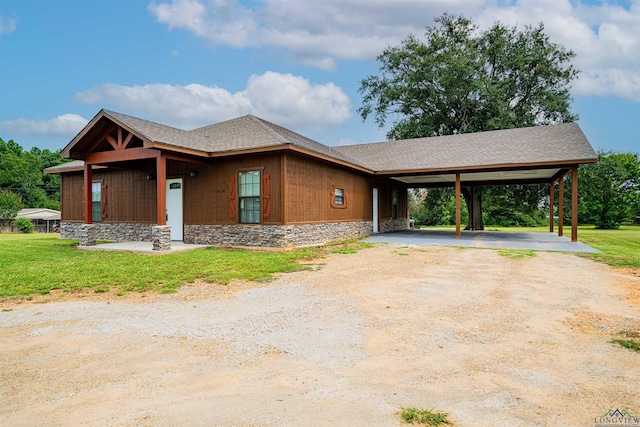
(538, 146)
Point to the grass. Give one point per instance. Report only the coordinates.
(516, 253)
(427, 417)
(349, 247)
(619, 248)
(39, 263)
(631, 344)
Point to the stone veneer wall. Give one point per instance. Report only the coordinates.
(275, 235)
(114, 231)
(387, 225)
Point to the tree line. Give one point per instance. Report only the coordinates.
(23, 184)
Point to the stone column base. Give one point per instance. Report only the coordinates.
(87, 235)
(161, 237)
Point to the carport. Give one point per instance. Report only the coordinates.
(533, 155)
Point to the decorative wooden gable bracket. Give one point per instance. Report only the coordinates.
(119, 144)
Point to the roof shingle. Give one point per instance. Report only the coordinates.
(537, 144)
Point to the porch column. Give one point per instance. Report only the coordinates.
(88, 180)
(551, 205)
(161, 190)
(457, 205)
(574, 204)
(560, 204)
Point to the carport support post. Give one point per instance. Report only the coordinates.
(551, 205)
(574, 204)
(560, 204)
(457, 205)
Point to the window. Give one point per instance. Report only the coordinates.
(394, 204)
(96, 201)
(249, 197)
(338, 197)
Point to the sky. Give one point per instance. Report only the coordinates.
(297, 63)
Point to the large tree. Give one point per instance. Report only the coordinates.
(610, 189)
(460, 79)
(21, 172)
(10, 205)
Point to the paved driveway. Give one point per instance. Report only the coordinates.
(483, 239)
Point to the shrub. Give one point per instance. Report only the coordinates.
(24, 225)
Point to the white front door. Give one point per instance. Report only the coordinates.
(174, 207)
(376, 228)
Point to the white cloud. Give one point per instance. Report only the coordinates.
(8, 24)
(316, 32)
(67, 125)
(282, 98)
(605, 36)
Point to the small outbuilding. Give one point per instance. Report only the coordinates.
(44, 220)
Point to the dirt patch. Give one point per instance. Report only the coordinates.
(490, 339)
(628, 280)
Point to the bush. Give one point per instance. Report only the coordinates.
(24, 225)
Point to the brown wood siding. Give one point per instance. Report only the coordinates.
(385, 197)
(71, 196)
(310, 184)
(206, 196)
(128, 194)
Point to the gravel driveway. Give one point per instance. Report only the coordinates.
(490, 339)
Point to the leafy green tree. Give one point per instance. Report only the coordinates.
(609, 189)
(21, 172)
(516, 205)
(10, 205)
(459, 79)
(24, 225)
(439, 207)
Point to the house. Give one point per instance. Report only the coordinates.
(249, 182)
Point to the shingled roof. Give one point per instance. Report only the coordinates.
(539, 145)
(243, 133)
(156, 132)
(522, 146)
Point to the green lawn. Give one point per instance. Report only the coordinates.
(619, 248)
(39, 263)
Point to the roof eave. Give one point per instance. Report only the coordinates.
(495, 167)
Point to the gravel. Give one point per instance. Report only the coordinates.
(298, 321)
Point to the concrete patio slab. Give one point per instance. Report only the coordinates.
(142, 247)
(484, 239)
